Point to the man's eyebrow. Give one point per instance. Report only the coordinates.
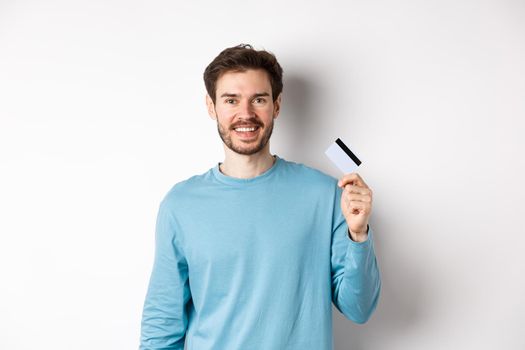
(260, 94)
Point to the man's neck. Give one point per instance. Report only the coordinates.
(246, 166)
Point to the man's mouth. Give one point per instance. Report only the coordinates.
(247, 131)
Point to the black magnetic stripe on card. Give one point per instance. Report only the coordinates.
(348, 152)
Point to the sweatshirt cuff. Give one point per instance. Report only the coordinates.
(364, 244)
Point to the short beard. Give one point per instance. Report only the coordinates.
(225, 136)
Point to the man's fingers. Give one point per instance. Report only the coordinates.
(352, 178)
(362, 207)
(357, 189)
(366, 198)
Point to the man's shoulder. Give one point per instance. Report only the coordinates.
(185, 188)
(305, 173)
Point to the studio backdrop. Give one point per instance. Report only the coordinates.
(102, 111)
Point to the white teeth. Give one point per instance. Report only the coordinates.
(245, 129)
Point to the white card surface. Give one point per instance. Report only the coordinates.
(343, 157)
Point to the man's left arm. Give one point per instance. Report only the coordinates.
(355, 276)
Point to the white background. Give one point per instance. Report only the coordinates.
(102, 111)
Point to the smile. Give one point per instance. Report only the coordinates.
(247, 131)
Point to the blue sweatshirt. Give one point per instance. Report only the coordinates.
(255, 263)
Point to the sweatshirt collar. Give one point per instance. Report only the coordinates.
(248, 181)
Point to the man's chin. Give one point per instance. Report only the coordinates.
(246, 151)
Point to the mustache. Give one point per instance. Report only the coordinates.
(247, 122)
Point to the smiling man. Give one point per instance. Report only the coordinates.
(252, 253)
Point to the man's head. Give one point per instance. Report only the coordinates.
(244, 90)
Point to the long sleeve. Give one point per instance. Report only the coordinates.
(356, 282)
(164, 317)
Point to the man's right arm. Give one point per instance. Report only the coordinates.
(164, 317)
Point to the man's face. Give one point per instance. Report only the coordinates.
(244, 110)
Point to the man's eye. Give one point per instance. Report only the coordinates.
(230, 101)
(259, 100)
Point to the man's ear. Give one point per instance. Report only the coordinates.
(277, 106)
(211, 107)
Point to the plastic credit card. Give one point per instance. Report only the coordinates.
(342, 157)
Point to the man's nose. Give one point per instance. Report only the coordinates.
(246, 109)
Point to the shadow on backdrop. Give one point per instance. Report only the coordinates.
(295, 126)
(401, 302)
(402, 294)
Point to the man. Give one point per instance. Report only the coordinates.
(252, 253)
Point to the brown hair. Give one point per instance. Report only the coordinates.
(240, 58)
